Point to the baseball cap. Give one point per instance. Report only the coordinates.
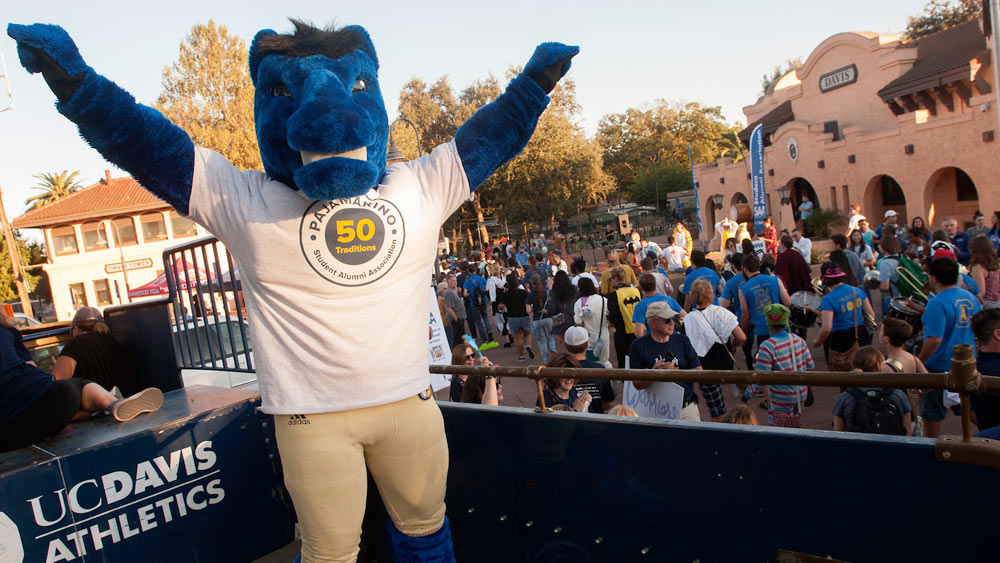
(944, 253)
(831, 270)
(87, 314)
(576, 336)
(890, 213)
(776, 314)
(660, 309)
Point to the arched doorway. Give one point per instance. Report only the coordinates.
(801, 187)
(950, 192)
(882, 194)
(711, 216)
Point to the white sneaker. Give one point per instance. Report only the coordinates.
(147, 400)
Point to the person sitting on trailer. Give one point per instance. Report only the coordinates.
(35, 406)
(94, 355)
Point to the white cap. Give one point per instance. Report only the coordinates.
(576, 336)
(890, 213)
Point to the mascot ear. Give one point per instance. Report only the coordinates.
(367, 46)
(255, 55)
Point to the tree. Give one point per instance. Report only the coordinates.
(208, 93)
(8, 289)
(942, 14)
(767, 81)
(642, 138)
(53, 187)
(558, 169)
(656, 183)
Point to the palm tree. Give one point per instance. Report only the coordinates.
(53, 187)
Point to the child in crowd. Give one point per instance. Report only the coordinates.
(622, 410)
(740, 415)
(870, 410)
(895, 334)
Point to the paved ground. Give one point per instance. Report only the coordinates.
(523, 392)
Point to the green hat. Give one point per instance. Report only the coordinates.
(776, 314)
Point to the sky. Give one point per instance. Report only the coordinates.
(632, 53)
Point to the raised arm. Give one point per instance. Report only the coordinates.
(135, 137)
(500, 130)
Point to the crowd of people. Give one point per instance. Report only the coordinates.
(571, 315)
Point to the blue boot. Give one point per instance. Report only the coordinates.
(435, 548)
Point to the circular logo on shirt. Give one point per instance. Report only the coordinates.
(352, 241)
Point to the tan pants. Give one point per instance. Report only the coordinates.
(324, 455)
(691, 413)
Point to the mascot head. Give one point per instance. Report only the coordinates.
(320, 118)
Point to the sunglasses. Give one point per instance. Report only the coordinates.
(470, 356)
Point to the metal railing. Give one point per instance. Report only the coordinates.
(962, 379)
(209, 324)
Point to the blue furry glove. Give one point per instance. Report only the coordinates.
(549, 63)
(48, 49)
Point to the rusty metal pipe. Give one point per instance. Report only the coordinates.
(819, 378)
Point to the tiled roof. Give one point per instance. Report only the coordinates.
(121, 195)
(774, 119)
(942, 58)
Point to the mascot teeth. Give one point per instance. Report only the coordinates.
(356, 154)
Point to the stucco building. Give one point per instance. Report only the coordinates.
(90, 234)
(870, 119)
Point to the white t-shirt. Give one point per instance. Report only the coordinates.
(804, 246)
(675, 256)
(703, 327)
(336, 290)
(575, 280)
(855, 219)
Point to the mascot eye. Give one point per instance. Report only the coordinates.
(359, 86)
(280, 89)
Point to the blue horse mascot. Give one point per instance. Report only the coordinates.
(334, 250)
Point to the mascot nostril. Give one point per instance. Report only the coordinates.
(323, 274)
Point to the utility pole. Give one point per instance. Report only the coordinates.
(15, 261)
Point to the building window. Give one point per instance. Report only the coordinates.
(94, 236)
(123, 229)
(64, 241)
(77, 295)
(103, 292)
(153, 227)
(182, 226)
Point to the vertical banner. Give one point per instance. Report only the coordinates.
(437, 347)
(694, 186)
(757, 178)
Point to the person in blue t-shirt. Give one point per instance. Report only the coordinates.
(758, 291)
(701, 271)
(647, 288)
(476, 300)
(947, 322)
(843, 311)
(730, 298)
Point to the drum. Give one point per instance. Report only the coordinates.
(805, 309)
(741, 212)
(899, 310)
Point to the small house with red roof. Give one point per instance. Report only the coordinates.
(104, 240)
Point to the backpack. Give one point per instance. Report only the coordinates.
(478, 298)
(875, 413)
(915, 274)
